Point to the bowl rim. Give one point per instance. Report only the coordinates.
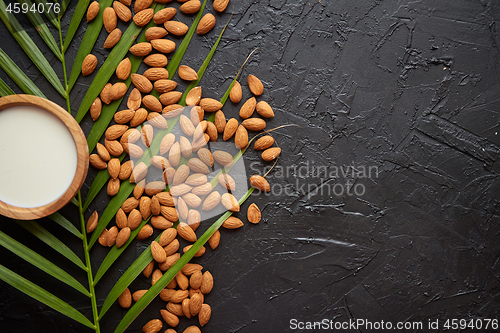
(82, 152)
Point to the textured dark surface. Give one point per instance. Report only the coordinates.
(407, 87)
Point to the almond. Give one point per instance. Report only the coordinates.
(185, 145)
(191, 7)
(141, 49)
(211, 201)
(220, 5)
(230, 202)
(271, 153)
(247, 109)
(139, 190)
(255, 85)
(206, 156)
(143, 17)
(95, 109)
(196, 179)
(264, 109)
(166, 294)
(196, 115)
(145, 232)
(227, 181)
(220, 121)
(126, 2)
(199, 131)
(260, 183)
(138, 294)
(132, 135)
(214, 240)
(223, 158)
(142, 83)
(178, 190)
(115, 131)
(159, 162)
(124, 116)
(117, 91)
(241, 137)
(157, 120)
(122, 237)
(204, 314)
(139, 172)
(171, 319)
(207, 283)
(125, 170)
(163, 45)
(155, 74)
(134, 99)
(178, 296)
(89, 64)
(155, 187)
(122, 11)
(181, 174)
(158, 253)
(212, 131)
(168, 175)
(114, 168)
(196, 165)
(253, 213)
(134, 219)
(194, 218)
(167, 236)
(92, 11)
(174, 155)
(206, 24)
(145, 207)
(186, 125)
(196, 300)
(152, 326)
(105, 93)
(164, 15)
(164, 86)
(172, 247)
(254, 124)
(195, 280)
(140, 116)
(171, 260)
(92, 222)
(103, 152)
(113, 187)
(102, 237)
(198, 253)
(121, 219)
(125, 299)
(186, 232)
(263, 142)
(109, 19)
(202, 189)
(166, 143)
(182, 208)
(185, 307)
(236, 94)
(192, 329)
(124, 68)
(175, 308)
(133, 150)
(114, 147)
(140, 5)
(111, 236)
(176, 28)
(187, 73)
(170, 98)
(192, 200)
(170, 213)
(161, 223)
(155, 33)
(156, 60)
(152, 103)
(194, 96)
(210, 104)
(230, 129)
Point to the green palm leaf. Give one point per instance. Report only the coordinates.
(18, 76)
(40, 294)
(66, 224)
(41, 233)
(91, 33)
(38, 261)
(114, 253)
(143, 302)
(64, 6)
(76, 19)
(30, 49)
(109, 66)
(5, 89)
(50, 13)
(42, 29)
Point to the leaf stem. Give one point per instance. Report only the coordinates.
(66, 89)
(89, 267)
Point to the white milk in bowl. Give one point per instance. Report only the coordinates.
(38, 157)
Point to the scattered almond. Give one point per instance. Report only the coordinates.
(109, 19)
(206, 24)
(123, 69)
(89, 64)
(176, 28)
(93, 10)
(271, 153)
(255, 85)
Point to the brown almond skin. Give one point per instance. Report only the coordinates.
(114, 147)
(210, 104)
(204, 314)
(105, 93)
(207, 283)
(163, 86)
(111, 236)
(117, 91)
(232, 223)
(164, 15)
(254, 124)
(96, 161)
(248, 108)
(241, 137)
(253, 213)
(163, 45)
(260, 183)
(125, 170)
(191, 7)
(143, 17)
(123, 69)
(93, 10)
(255, 85)
(122, 11)
(220, 5)
(125, 299)
(96, 108)
(271, 153)
(263, 143)
(152, 326)
(140, 5)
(122, 237)
(206, 24)
(92, 222)
(142, 83)
(176, 28)
(109, 19)
(155, 74)
(141, 49)
(264, 109)
(113, 187)
(220, 121)
(236, 94)
(134, 99)
(155, 33)
(230, 129)
(156, 60)
(171, 319)
(214, 240)
(121, 219)
(89, 64)
(187, 73)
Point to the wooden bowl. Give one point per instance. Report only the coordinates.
(82, 155)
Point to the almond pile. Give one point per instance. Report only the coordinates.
(183, 177)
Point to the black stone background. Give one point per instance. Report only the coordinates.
(410, 87)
